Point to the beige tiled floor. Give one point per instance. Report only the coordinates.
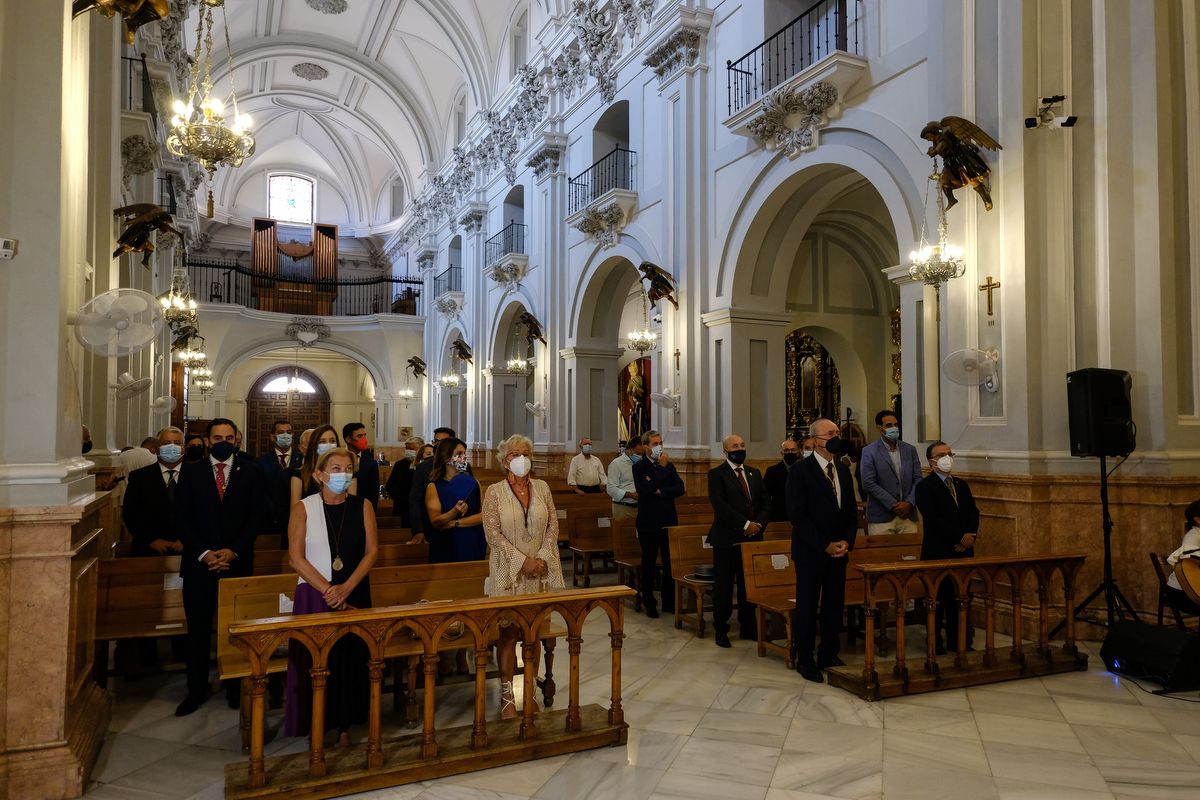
(707, 722)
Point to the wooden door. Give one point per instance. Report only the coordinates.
(304, 409)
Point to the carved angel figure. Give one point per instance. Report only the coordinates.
(533, 328)
(957, 142)
(140, 220)
(662, 285)
(461, 350)
(417, 365)
(136, 13)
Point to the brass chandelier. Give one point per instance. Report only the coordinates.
(198, 129)
(935, 264)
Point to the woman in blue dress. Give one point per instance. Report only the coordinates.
(454, 504)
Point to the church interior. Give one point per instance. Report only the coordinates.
(665, 225)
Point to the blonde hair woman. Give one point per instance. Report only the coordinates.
(521, 527)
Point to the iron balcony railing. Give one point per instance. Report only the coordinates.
(448, 281)
(215, 281)
(617, 170)
(827, 27)
(137, 93)
(166, 194)
(509, 240)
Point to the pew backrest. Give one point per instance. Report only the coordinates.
(139, 597)
(688, 548)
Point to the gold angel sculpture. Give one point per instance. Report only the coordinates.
(662, 285)
(461, 350)
(417, 365)
(136, 13)
(957, 141)
(141, 220)
(533, 328)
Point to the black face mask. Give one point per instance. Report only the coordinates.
(87, 447)
(836, 446)
(195, 452)
(791, 458)
(736, 456)
(223, 450)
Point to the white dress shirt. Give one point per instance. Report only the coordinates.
(586, 471)
(1191, 541)
(837, 483)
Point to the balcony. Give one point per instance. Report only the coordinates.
(136, 92)
(506, 258)
(231, 283)
(783, 91)
(166, 194)
(601, 199)
(449, 280)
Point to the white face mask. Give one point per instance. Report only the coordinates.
(945, 463)
(519, 466)
(806, 453)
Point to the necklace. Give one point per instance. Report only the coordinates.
(337, 539)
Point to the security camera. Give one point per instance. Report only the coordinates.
(1067, 122)
(1032, 122)
(1044, 116)
(1053, 100)
(656, 319)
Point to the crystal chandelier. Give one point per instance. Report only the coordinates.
(201, 372)
(644, 340)
(451, 380)
(205, 385)
(178, 307)
(937, 263)
(198, 129)
(518, 365)
(406, 394)
(193, 355)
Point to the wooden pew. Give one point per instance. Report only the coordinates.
(688, 551)
(590, 537)
(273, 562)
(136, 598)
(627, 554)
(771, 586)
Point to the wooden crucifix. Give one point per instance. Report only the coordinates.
(989, 287)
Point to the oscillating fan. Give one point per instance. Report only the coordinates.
(971, 367)
(163, 405)
(536, 409)
(128, 386)
(665, 400)
(117, 323)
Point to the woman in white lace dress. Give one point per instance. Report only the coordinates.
(521, 526)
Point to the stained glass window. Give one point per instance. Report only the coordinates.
(291, 199)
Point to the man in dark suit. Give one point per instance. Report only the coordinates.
(148, 506)
(775, 479)
(399, 482)
(820, 501)
(657, 484)
(354, 434)
(740, 513)
(417, 515)
(220, 504)
(951, 524)
(277, 466)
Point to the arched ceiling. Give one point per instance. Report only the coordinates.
(377, 107)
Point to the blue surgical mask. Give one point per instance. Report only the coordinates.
(656, 451)
(635, 458)
(892, 434)
(339, 482)
(586, 449)
(284, 440)
(411, 455)
(170, 453)
(325, 447)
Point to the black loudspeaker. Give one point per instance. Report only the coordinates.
(1167, 656)
(1099, 412)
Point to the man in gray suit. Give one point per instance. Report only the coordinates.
(890, 470)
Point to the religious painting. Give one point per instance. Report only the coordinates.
(633, 394)
(812, 384)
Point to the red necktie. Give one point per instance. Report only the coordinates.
(221, 479)
(745, 489)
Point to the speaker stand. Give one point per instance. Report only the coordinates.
(1116, 604)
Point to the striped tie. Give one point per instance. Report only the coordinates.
(221, 479)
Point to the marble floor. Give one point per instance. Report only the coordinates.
(708, 722)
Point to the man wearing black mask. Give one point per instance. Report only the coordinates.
(194, 448)
(775, 479)
(820, 503)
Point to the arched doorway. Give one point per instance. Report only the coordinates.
(291, 393)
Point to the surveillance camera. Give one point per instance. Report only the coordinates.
(656, 319)
(1031, 122)
(1053, 100)
(1067, 122)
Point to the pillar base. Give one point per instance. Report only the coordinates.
(60, 770)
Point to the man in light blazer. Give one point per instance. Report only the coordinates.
(890, 471)
(741, 511)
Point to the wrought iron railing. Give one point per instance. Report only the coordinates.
(509, 240)
(215, 281)
(827, 27)
(449, 280)
(166, 194)
(137, 93)
(617, 170)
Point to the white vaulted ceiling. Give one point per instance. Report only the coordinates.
(392, 72)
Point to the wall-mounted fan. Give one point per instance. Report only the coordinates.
(664, 400)
(128, 386)
(971, 367)
(117, 323)
(163, 405)
(536, 409)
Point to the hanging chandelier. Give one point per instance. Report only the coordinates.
(644, 340)
(201, 372)
(934, 264)
(193, 355)
(518, 365)
(198, 129)
(451, 380)
(178, 307)
(406, 394)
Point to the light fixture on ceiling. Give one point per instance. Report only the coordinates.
(178, 307)
(193, 355)
(406, 394)
(201, 372)
(198, 129)
(934, 264)
(518, 365)
(644, 340)
(450, 380)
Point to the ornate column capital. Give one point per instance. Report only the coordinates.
(547, 159)
(679, 50)
(471, 217)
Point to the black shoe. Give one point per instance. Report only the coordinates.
(189, 705)
(722, 640)
(651, 612)
(809, 671)
(832, 661)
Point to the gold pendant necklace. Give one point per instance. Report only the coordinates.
(337, 542)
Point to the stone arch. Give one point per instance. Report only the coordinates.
(592, 292)
(380, 373)
(506, 316)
